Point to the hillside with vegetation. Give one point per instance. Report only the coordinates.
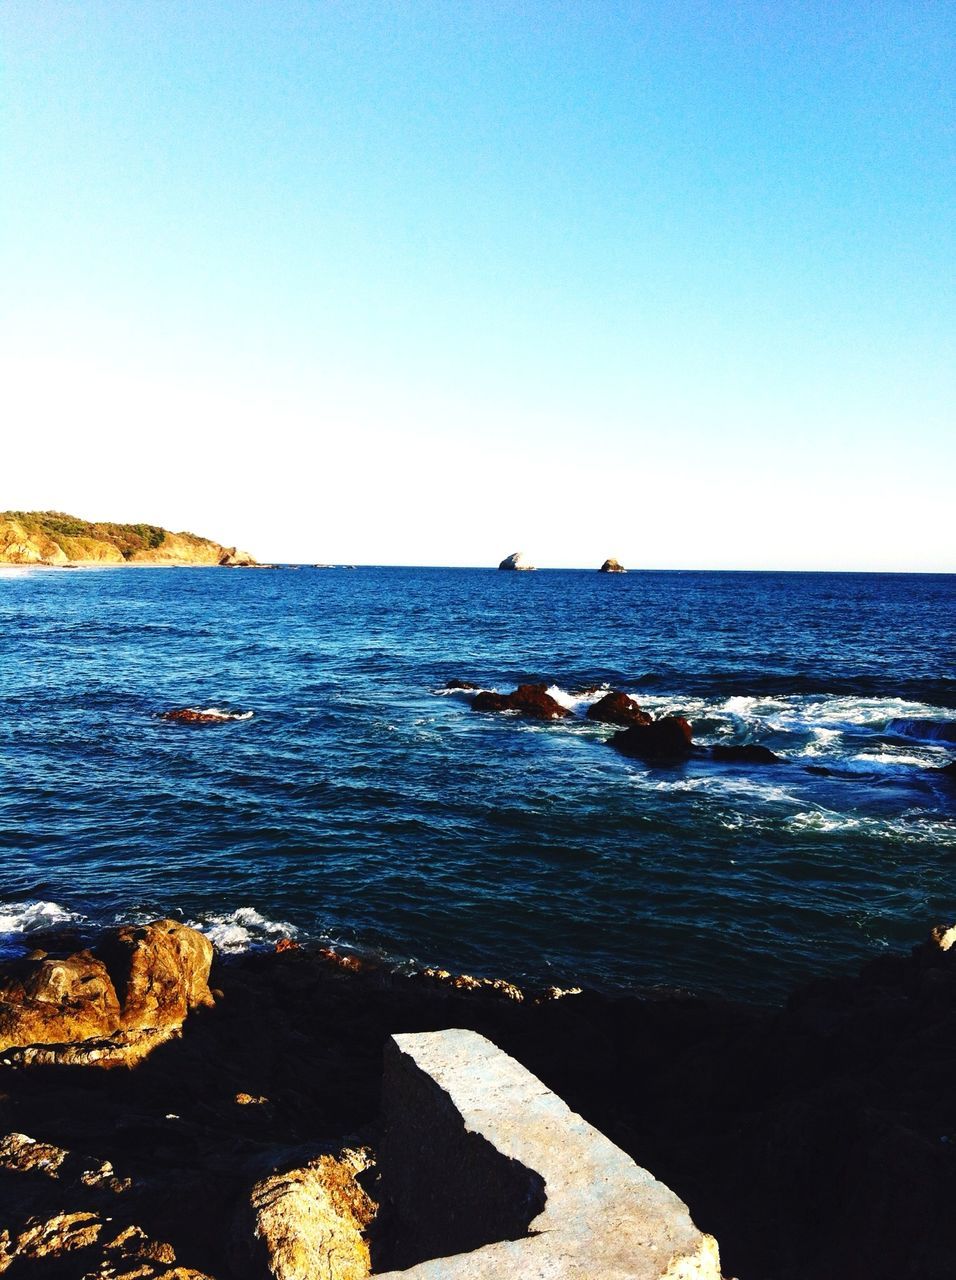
(55, 538)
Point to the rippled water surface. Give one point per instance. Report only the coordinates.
(358, 804)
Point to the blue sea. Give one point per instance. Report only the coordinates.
(352, 800)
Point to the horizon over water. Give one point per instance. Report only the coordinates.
(351, 800)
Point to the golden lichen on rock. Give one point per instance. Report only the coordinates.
(108, 1006)
(56, 538)
(309, 1221)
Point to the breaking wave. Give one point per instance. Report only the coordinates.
(242, 929)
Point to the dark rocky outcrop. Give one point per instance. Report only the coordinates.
(617, 708)
(461, 684)
(748, 753)
(814, 1140)
(947, 771)
(112, 1004)
(528, 699)
(612, 566)
(668, 740)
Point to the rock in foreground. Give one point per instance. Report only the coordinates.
(111, 1005)
(665, 741)
(528, 699)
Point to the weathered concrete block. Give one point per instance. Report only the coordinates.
(483, 1163)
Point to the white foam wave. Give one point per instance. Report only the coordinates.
(914, 829)
(27, 917)
(243, 928)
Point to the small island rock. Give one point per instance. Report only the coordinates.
(528, 699)
(665, 741)
(617, 708)
(517, 560)
(612, 566)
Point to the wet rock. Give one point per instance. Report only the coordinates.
(309, 1222)
(947, 771)
(196, 715)
(517, 560)
(461, 684)
(749, 753)
(612, 566)
(112, 1004)
(665, 741)
(528, 699)
(617, 708)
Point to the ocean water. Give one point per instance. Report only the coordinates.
(351, 800)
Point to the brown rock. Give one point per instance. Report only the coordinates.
(612, 566)
(112, 1005)
(309, 1222)
(160, 972)
(665, 741)
(617, 708)
(528, 699)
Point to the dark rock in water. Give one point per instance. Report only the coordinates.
(612, 566)
(751, 753)
(818, 768)
(529, 699)
(461, 684)
(665, 741)
(948, 771)
(617, 708)
(195, 715)
(924, 730)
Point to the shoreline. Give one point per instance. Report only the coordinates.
(817, 1138)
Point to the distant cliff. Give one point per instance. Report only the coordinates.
(52, 537)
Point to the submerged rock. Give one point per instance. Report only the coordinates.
(617, 708)
(749, 753)
(461, 684)
(528, 699)
(948, 771)
(517, 560)
(665, 741)
(110, 1005)
(612, 566)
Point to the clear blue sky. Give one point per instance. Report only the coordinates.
(429, 283)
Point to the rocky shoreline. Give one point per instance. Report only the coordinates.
(814, 1140)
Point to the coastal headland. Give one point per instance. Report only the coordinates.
(817, 1139)
(57, 539)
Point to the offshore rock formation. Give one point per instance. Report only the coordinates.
(665, 741)
(528, 699)
(517, 560)
(617, 708)
(55, 538)
(107, 1006)
(612, 566)
(203, 715)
